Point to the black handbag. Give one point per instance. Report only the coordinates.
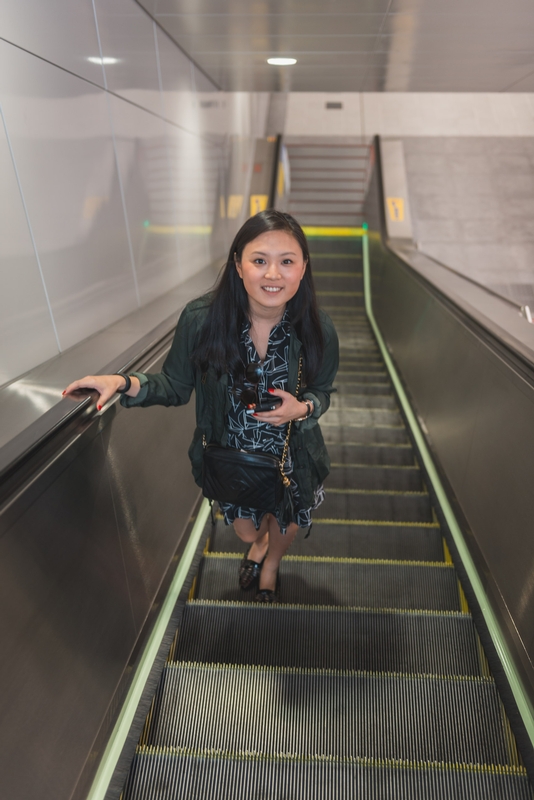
(250, 479)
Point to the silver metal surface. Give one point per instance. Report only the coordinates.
(357, 45)
(83, 551)
(476, 401)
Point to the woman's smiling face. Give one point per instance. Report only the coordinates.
(271, 268)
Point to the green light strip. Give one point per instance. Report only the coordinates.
(122, 727)
(518, 690)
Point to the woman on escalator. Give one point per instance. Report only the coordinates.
(261, 358)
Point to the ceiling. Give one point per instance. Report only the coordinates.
(357, 45)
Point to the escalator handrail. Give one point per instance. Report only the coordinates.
(16, 452)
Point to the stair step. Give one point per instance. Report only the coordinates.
(379, 434)
(382, 389)
(345, 415)
(220, 776)
(361, 376)
(341, 400)
(361, 365)
(348, 284)
(341, 250)
(326, 638)
(276, 711)
(356, 453)
(369, 540)
(354, 150)
(340, 582)
(330, 301)
(366, 476)
(380, 505)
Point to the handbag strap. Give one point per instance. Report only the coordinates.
(285, 479)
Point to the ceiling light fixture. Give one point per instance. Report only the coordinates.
(105, 60)
(281, 62)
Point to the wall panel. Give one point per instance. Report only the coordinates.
(26, 329)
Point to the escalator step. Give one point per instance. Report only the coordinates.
(182, 775)
(366, 476)
(344, 416)
(340, 582)
(356, 540)
(348, 400)
(338, 282)
(354, 376)
(376, 505)
(355, 387)
(317, 638)
(364, 434)
(372, 540)
(356, 453)
(276, 710)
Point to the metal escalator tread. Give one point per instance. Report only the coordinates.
(366, 476)
(189, 775)
(354, 539)
(340, 582)
(371, 453)
(308, 712)
(377, 505)
(329, 638)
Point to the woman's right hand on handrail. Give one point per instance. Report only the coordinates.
(105, 385)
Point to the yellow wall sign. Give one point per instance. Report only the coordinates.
(234, 206)
(395, 208)
(258, 202)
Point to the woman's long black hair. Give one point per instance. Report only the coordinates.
(218, 344)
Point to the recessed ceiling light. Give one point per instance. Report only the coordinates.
(281, 62)
(105, 60)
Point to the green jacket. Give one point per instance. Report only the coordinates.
(179, 376)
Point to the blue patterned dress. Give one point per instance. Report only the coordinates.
(247, 433)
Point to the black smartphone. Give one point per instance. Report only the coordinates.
(267, 404)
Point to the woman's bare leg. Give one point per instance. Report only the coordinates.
(259, 539)
(278, 545)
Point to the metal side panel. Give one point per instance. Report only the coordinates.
(83, 551)
(477, 407)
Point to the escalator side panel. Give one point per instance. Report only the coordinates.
(82, 557)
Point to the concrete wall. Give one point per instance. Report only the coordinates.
(410, 114)
(472, 204)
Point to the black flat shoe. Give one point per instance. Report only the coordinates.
(249, 571)
(268, 595)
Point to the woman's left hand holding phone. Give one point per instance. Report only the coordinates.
(105, 385)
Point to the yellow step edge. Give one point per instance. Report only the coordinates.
(335, 465)
(333, 231)
(156, 751)
(223, 556)
(374, 522)
(394, 492)
(273, 608)
(397, 445)
(368, 427)
(204, 666)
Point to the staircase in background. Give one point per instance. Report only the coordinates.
(328, 181)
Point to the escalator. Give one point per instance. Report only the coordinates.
(368, 680)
